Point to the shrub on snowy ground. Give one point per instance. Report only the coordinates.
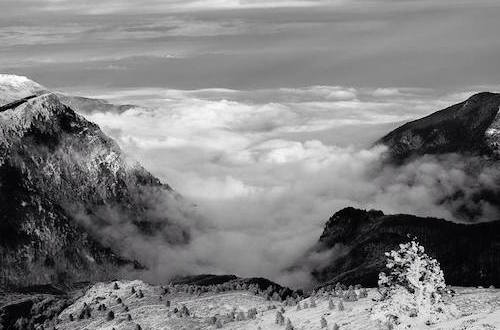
(350, 295)
(323, 322)
(280, 319)
(363, 293)
(335, 327)
(289, 325)
(411, 290)
(252, 313)
(110, 316)
(331, 305)
(341, 306)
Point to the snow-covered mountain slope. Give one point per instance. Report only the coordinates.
(70, 200)
(14, 87)
(150, 308)
(472, 126)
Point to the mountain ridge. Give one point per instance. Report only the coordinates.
(471, 126)
(469, 253)
(66, 189)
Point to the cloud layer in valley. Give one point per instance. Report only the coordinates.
(266, 168)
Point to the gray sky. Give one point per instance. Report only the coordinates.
(252, 44)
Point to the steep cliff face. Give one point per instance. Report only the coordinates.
(471, 127)
(65, 187)
(469, 254)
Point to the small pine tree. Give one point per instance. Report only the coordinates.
(289, 325)
(363, 293)
(298, 306)
(110, 316)
(129, 317)
(132, 290)
(331, 305)
(323, 322)
(71, 318)
(252, 313)
(411, 290)
(313, 303)
(280, 319)
(184, 311)
(341, 306)
(115, 286)
(350, 295)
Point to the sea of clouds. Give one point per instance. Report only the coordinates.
(267, 168)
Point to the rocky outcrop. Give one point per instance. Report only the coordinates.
(68, 197)
(469, 254)
(471, 127)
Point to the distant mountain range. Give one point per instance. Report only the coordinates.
(69, 198)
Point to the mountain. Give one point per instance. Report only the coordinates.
(357, 240)
(471, 127)
(14, 87)
(70, 200)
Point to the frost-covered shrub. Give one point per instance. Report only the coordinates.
(411, 290)
(350, 295)
(252, 313)
(323, 322)
(280, 319)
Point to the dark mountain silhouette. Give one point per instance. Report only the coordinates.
(470, 127)
(469, 254)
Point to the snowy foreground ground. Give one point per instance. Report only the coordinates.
(479, 309)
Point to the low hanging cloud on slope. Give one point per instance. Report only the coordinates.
(266, 168)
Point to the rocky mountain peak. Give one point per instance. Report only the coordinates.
(470, 127)
(70, 199)
(13, 87)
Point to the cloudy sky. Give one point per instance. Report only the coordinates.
(192, 44)
(264, 112)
